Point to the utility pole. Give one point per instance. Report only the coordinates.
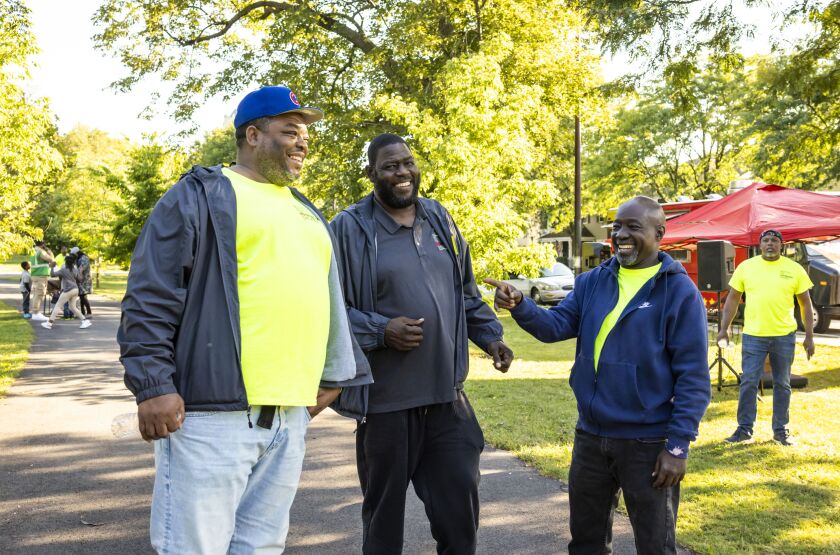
(577, 244)
(576, 241)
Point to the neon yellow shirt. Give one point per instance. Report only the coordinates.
(283, 254)
(629, 283)
(770, 288)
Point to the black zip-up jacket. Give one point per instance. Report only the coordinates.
(355, 231)
(179, 331)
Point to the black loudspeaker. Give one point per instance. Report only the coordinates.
(715, 264)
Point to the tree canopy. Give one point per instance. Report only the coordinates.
(152, 169)
(27, 152)
(76, 205)
(485, 92)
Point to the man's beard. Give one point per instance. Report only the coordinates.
(385, 193)
(628, 259)
(270, 164)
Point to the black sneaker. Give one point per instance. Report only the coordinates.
(739, 436)
(783, 438)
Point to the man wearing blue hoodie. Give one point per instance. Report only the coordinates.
(641, 379)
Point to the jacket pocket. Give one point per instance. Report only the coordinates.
(617, 396)
(582, 381)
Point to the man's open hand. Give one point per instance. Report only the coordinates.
(404, 334)
(507, 296)
(160, 416)
(669, 470)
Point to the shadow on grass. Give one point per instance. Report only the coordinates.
(525, 413)
(759, 498)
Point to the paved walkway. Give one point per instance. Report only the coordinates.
(66, 486)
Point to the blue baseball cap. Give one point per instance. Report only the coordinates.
(273, 101)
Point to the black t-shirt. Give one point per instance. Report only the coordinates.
(415, 278)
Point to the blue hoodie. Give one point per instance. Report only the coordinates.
(653, 374)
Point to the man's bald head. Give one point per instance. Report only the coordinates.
(653, 208)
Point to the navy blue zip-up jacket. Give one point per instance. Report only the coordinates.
(653, 378)
(355, 231)
(179, 331)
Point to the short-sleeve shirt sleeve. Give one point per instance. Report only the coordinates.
(736, 282)
(804, 281)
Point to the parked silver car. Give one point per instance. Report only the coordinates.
(550, 287)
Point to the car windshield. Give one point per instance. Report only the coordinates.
(558, 270)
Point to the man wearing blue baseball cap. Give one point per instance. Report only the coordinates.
(771, 281)
(226, 384)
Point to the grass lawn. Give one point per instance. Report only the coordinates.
(15, 337)
(756, 498)
(111, 285)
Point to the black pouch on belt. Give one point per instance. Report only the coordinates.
(266, 418)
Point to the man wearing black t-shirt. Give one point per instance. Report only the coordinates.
(413, 304)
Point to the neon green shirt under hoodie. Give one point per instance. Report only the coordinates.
(283, 254)
(629, 283)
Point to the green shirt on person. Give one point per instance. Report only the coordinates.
(630, 281)
(283, 253)
(770, 286)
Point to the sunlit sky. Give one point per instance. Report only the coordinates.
(75, 77)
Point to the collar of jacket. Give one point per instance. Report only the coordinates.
(438, 217)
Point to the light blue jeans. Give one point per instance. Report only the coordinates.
(754, 350)
(222, 487)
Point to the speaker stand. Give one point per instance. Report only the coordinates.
(720, 361)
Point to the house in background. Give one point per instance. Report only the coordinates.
(594, 229)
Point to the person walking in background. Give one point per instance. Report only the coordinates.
(40, 269)
(25, 288)
(67, 314)
(641, 380)
(85, 283)
(414, 306)
(69, 291)
(771, 281)
(202, 349)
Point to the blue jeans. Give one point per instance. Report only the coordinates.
(600, 467)
(754, 350)
(222, 487)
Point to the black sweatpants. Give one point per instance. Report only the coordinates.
(437, 449)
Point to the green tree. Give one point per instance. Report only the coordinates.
(76, 206)
(797, 113)
(152, 169)
(216, 147)
(486, 92)
(27, 131)
(664, 147)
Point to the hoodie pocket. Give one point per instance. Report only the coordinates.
(582, 381)
(617, 396)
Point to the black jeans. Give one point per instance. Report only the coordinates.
(437, 449)
(25, 303)
(84, 304)
(600, 467)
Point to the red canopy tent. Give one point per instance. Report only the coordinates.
(741, 217)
